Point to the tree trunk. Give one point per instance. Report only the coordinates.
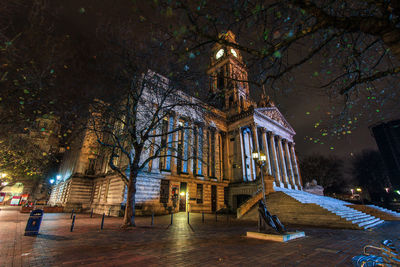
(129, 218)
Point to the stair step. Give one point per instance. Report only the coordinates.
(364, 223)
(351, 218)
(360, 220)
(374, 224)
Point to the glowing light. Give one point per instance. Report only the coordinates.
(254, 155)
(387, 189)
(4, 183)
(182, 193)
(233, 52)
(58, 177)
(3, 175)
(51, 181)
(358, 189)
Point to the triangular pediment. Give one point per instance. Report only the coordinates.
(274, 114)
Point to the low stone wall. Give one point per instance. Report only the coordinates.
(46, 209)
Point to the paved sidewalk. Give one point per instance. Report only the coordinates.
(211, 243)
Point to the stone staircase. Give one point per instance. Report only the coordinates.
(379, 212)
(299, 207)
(391, 212)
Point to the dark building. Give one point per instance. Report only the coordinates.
(387, 137)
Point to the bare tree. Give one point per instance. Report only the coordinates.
(351, 49)
(136, 128)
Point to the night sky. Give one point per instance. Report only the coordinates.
(303, 105)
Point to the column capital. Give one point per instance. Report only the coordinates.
(263, 130)
(278, 137)
(253, 124)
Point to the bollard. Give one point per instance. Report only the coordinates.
(109, 212)
(73, 223)
(172, 218)
(102, 221)
(216, 218)
(188, 218)
(152, 219)
(91, 213)
(72, 213)
(202, 217)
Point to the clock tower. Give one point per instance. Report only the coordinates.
(228, 77)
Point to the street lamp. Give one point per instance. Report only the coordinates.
(261, 159)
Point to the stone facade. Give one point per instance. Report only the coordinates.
(227, 176)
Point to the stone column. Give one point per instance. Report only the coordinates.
(217, 157)
(275, 159)
(296, 167)
(191, 143)
(255, 148)
(282, 162)
(174, 145)
(206, 152)
(227, 164)
(289, 166)
(266, 151)
(242, 152)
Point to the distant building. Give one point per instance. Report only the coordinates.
(236, 128)
(387, 137)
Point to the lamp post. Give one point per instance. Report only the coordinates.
(261, 159)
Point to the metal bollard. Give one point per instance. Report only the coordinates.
(102, 222)
(72, 213)
(91, 213)
(188, 218)
(109, 212)
(73, 223)
(202, 217)
(172, 218)
(152, 219)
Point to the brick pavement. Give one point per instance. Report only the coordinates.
(213, 243)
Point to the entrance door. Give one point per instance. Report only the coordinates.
(213, 198)
(182, 197)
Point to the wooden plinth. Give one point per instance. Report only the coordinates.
(276, 237)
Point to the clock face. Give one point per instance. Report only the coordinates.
(219, 54)
(233, 52)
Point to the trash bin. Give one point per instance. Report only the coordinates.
(34, 221)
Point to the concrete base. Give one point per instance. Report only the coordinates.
(276, 237)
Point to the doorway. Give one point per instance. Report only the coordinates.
(213, 198)
(182, 196)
